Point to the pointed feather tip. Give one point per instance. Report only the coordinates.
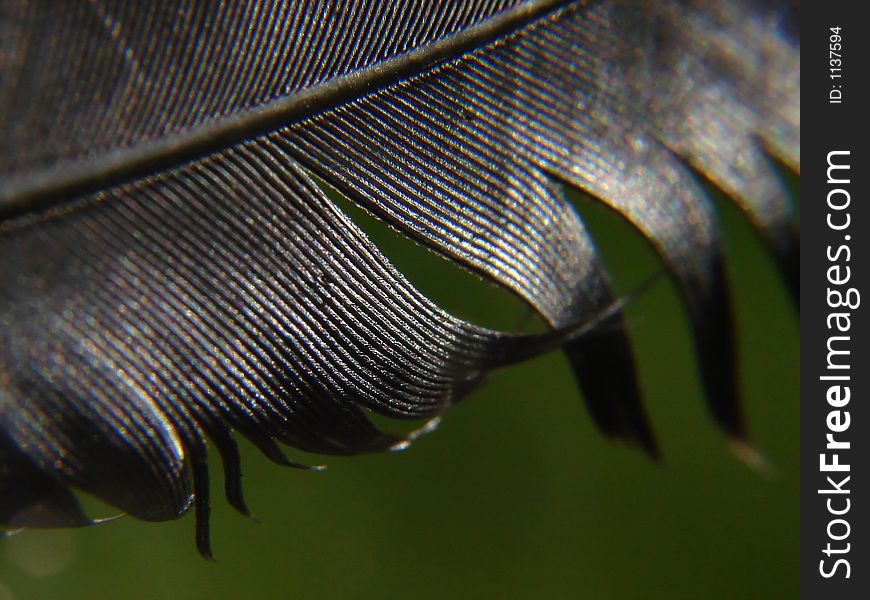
(604, 370)
(405, 443)
(203, 545)
(109, 519)
(750, 456)
(277, 455)
(202, 535)
(611, 388)
(646, 442)
(635, 439)
(319, 468)
(207, 554)
(8, 533)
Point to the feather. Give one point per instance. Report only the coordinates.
(172, 273)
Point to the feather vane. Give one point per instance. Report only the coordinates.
(170, 272)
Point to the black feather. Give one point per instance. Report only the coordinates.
(170, 272)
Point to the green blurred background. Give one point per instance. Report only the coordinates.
(516, 495)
